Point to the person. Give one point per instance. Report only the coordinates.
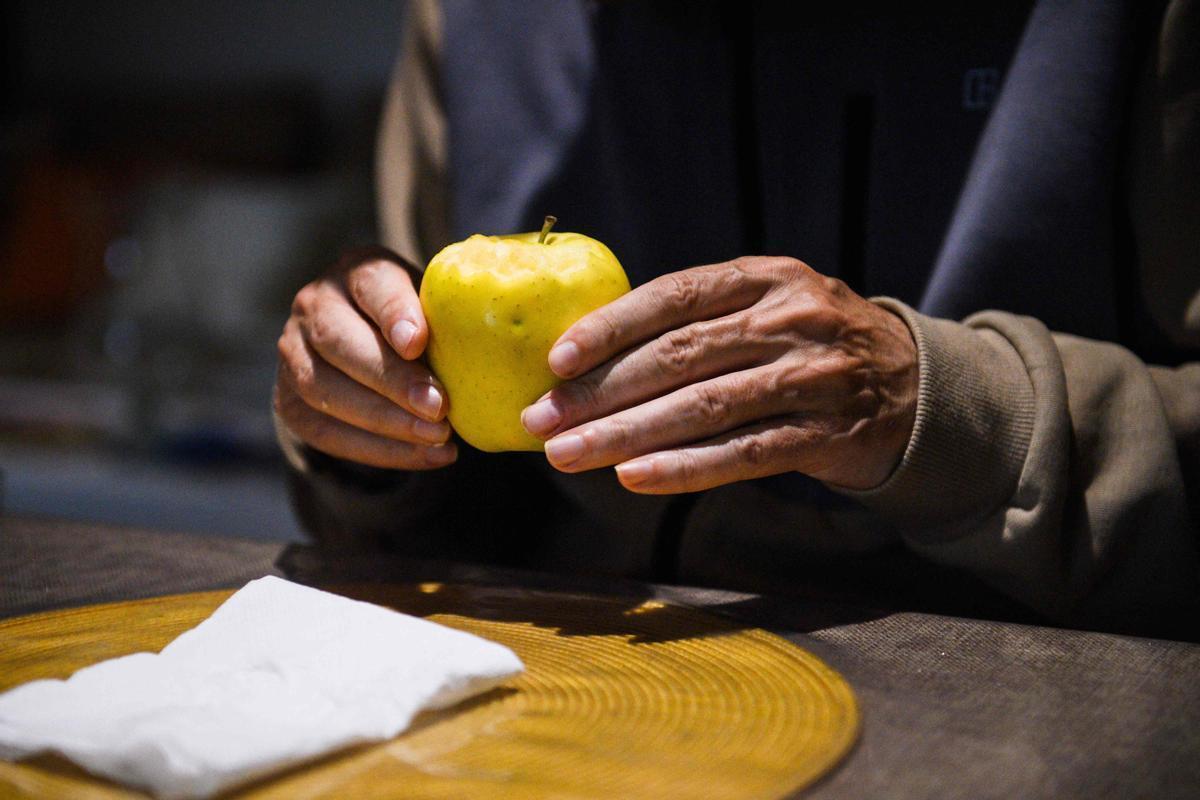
(762, 420)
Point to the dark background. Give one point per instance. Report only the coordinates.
(170, 173)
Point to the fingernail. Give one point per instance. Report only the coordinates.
(426, 400)
(632, 473)
(442, 454)
(432, 432)
(542, 417)
(402, 335)
(564, 450)
(564, 358)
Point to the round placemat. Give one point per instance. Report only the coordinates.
(620, 698)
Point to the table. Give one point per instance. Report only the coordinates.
(952, 707)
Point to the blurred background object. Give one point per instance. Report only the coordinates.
(170, 174)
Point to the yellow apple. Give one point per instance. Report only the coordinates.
(495, 305)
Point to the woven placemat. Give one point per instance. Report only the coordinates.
(620, 698)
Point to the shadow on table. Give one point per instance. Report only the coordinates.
(582, 605)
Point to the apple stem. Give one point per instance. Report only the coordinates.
(546, 226)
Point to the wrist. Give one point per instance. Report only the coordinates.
(974, 418)
(904, 383)
(883, 437)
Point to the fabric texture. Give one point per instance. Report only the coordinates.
(1003, 407)
(280, 673)
(1034, 221)
(412, 187)
(952, 707)
(44, 560)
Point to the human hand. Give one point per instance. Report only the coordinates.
(349, 383)
(728, 372)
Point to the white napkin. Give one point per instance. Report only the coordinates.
(278, 674)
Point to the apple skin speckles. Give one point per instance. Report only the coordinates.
(495, 305)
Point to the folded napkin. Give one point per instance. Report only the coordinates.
(278, 674)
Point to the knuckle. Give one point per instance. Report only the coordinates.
(716, 334)
(365, 281)
(728, 280)
(299, 374)
(793, 266)
(361, 279)
(391, 311)
(580, 396)
(711, 406)
(813, 313)
(304, 379)
(605, 330)
(749, 328)
(752, 268)
(597, 331)
(786, 382)
(283, 347)
(675, 351)
(615, 435)
(305, 300)
(733, 275)
(834, 287)
(321, 331)
(773, 274)
(287, 356)
(787, 271)
(751, 450)
(683, 290)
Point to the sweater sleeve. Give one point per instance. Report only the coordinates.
(1067, 471)
(350, 507)
(1064, 471)
(411, 159)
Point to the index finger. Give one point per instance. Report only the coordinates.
(382, 288)
(665, 303)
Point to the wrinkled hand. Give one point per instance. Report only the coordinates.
(348, 382)
(728, 372)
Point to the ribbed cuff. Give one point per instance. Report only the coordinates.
(974, 420)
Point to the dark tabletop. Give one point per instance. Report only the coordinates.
(952, 707)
